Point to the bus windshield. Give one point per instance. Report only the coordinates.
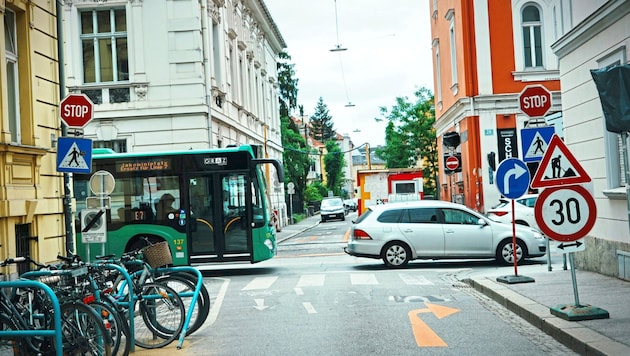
(209, 205)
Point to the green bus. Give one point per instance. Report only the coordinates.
(209, 205)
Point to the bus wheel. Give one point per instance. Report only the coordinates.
(140, 242)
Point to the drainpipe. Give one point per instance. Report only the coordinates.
(205, 48)
(67, 194)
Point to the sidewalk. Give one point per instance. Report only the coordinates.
(532, 301)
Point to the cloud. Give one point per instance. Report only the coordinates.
(388, 56)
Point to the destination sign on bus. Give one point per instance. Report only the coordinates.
(157, 164)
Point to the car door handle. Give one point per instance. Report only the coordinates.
(449, 231)
(408, 230)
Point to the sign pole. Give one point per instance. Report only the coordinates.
(514, 241)
(575, 288)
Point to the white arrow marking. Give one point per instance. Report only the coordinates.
(517, 171)
(260, 304)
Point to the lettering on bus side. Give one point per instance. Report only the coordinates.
(218, 161)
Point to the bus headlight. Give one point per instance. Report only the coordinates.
(269, 244)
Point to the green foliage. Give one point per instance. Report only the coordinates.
(334, 162)
(287, 84)
(314, 192)
(321, 123)
(410, 136)
(296, 159)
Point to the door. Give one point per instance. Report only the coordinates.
(422, 228)
(217, 227)
(463, 236)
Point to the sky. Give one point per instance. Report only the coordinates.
(388, 56)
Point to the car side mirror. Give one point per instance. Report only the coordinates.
(482, 222)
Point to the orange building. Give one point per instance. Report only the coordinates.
(484, 54)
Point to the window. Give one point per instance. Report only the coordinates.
(104, 45)
(421, 216)
(13, 88)
(615, 166)
(454, 216)
(532, 36)
(118, 146)
(450, 16)
(390, 216)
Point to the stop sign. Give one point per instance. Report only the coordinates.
(452, 163)
(535, 100)
(76, 110)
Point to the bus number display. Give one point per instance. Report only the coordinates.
(158, 164)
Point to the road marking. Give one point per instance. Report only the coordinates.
(424, 335)
(415, 280)
(363, 279)
(260, 304)
(346, 236)
(260, 283)
(309, 308)
(311, 280)
(298, 291)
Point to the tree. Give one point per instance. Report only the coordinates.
(321, 123)
(334, 162)
(296, 156)
(287, 84)
(410, 136)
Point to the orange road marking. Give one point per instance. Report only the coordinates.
(424, 335)
(346, 236)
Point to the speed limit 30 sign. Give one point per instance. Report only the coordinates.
(565, 213)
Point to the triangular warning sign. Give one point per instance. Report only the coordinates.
(74, 158)
(537, 148)
(559, 167)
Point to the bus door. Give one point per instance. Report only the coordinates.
(217, 228)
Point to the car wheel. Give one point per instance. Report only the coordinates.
(505, 252)
(396, 254)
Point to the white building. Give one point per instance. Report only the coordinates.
(599, 37)
(175, 74)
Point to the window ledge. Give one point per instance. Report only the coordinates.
(536, 75)
(616, 193)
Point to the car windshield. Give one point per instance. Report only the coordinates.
(330, 203)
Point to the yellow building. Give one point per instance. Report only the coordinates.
(31, 206)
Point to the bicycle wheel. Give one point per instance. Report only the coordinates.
(83, 331)
(11, 345)
(185, 283)
(159, 316)
(121, 345)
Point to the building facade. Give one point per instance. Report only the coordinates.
(31, 206)
(599, 37)
(205, 77)
(484, 54)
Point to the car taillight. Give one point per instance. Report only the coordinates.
(360, 235)
(499, 213)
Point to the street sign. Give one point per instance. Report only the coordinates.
(559, 167)
(535, 141)
(452, 163)
(535, 100)
(76, 110)
(512, 178)
(568, 247)
(93, 226)
(565, 213)
(74, 155)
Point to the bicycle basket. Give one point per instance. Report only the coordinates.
(158, 255)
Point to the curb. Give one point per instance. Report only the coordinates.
(579, 338)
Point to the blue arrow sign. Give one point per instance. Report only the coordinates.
(534, 142)
(512, 178)
(74, 155)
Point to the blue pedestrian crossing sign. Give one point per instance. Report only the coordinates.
(74, 155)
(512, 178)
(534, 142)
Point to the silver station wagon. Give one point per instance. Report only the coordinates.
(431, 229)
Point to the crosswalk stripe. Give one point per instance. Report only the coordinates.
(415, 280)
(311, 280)
(260, 283)
(363, 279)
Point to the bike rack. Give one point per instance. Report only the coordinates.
(194, 295)
(56, 332)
